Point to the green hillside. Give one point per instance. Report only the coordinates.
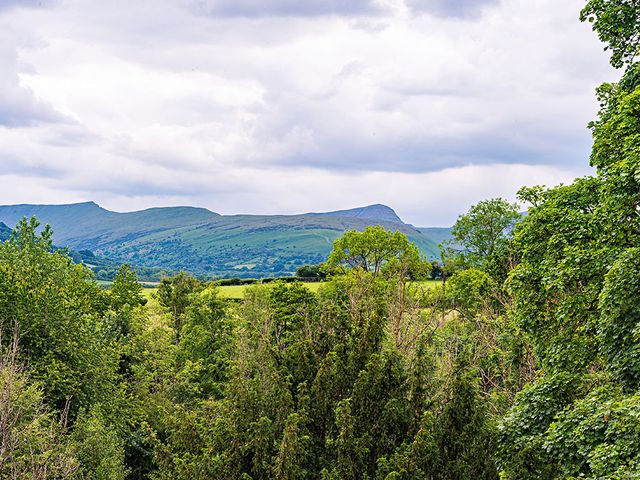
(376, 212)
(103, 268)
(206, 243)
(5, 232)
(436, 234)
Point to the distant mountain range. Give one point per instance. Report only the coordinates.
(209, 244)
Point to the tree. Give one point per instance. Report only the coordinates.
(98, 448)
(374, 250)
(32, 439)
(204, 352)
(173, 294)
(617, 23)
(619, 325)
(311, 271)
(25, 235)
(290, 463)
(59, 312)
(125, 296)
(126, 290)
(481, 237)
(576, 293)
(470, 292)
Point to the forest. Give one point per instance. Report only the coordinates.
(523, 364)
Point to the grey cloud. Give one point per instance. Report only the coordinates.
(430, 155)
(513, 137)
(19, 108)
(285, 8)
(6, 4)
(71, 135)
(450, 8)
(374, 93)
(13, 165)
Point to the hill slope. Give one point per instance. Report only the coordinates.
(5, 232)
(437, 234)
(206, 243)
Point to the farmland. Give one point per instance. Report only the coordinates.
(236, 292)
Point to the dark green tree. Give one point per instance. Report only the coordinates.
(173, 294)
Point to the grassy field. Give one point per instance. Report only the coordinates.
(237, 291)
(147, 292)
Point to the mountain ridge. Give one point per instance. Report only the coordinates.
(377, 211)
(206, 243)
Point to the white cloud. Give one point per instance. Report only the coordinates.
(135, 104)
(428, 199)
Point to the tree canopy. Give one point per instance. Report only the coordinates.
(374, 250)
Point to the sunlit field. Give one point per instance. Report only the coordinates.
(237, 291)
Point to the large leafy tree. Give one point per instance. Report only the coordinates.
(617, 23)
(576, 293)
(482, 236)
(58, 313)
(376, 250)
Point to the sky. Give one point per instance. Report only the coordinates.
(290, 106)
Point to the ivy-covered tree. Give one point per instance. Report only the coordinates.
(576, 291)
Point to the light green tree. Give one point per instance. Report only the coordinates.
(482, 237)
(376, 250)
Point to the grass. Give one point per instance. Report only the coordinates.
(147, 292)
(236, 292)
(429, 283)
(232, 291)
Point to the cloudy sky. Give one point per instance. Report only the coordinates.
(287, 106)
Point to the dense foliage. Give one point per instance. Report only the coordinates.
(523, 364)
(576, 294)
(373, 377)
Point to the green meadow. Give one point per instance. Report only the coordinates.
(237, 291)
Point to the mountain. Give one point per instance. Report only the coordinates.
(207, 243)
(5, 232)
(437, 234)
(377, 213)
